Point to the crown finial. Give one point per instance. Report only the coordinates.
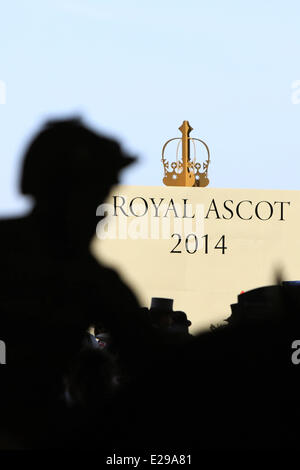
(185, 128)
(185, 172)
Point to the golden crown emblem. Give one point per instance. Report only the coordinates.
(185, 172)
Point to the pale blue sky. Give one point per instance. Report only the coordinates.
(137, 69)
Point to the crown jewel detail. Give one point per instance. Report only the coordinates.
(184, 171)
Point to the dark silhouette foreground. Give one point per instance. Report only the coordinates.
(232, 388)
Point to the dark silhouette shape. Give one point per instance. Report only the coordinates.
(257, 305)
(232, 388)
(180, 323)
(51, 287)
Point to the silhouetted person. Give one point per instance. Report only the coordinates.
(51, 287)
(235, 387)
(160, 312)
(180, 323)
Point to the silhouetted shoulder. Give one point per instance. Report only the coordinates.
(12, 228)
(110, 288)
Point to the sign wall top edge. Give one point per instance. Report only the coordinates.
(201, 191)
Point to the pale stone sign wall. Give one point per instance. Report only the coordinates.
(201, 247)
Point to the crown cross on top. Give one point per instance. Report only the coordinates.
(184, 171)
